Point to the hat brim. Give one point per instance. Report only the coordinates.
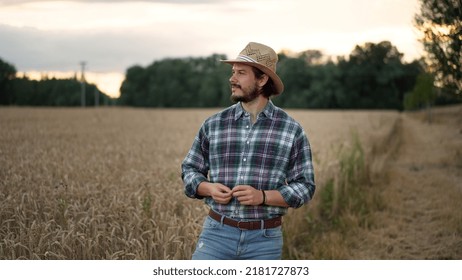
(273, 76)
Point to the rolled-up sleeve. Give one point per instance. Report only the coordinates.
(300, 185)
(195, 166)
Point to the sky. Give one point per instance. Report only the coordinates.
(54, 37)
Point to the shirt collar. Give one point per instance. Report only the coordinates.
(268, 111)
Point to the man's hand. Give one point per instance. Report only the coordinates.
(248, 195)
(219, 192)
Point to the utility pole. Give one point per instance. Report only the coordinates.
(82, 82)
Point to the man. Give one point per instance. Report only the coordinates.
(250, 162)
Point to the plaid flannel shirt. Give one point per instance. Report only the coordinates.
(272, 154)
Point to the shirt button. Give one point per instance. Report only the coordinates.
(247, 127)
(245, 159)
(248, 142)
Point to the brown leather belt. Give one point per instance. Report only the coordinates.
(250, 225)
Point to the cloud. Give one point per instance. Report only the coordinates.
(114, 50)
(32, 49)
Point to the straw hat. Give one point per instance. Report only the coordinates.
(263, 58)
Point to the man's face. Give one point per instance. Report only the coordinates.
(244, 87)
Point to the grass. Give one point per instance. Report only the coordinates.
(345, 201)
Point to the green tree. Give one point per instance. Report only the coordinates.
(133, 90)
(214, 89)
(423, 93)
(326, 90)
(373, 77)
(7, 74)
(293, 71)
(53, 92)
(178, 82)
(440, 24)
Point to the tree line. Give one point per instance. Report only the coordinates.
(22, 91)
(373, 76)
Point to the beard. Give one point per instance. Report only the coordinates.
(249, 94)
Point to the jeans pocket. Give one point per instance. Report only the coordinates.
(273, 232)
(210, 223)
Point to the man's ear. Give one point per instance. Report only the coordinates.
(263, 80)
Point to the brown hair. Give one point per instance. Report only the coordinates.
(269, 88)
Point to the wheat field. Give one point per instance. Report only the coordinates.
(104, 183)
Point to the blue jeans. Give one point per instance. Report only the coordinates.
(222, 242)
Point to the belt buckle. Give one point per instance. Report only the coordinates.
(239, 225)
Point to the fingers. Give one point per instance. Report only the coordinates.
(247, 195)
(242, 190)
(222, 194)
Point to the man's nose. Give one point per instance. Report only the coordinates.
(232, 78)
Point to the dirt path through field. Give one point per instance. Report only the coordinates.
(422, 191)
